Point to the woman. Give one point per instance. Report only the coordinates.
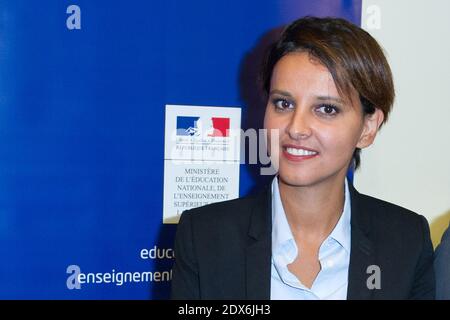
(311, 235)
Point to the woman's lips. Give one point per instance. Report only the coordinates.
(298, 153)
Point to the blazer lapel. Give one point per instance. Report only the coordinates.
(362, 251)
(259, 247)
(258, 253)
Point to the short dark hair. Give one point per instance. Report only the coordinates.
(353, 57)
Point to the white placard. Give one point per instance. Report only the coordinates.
(201, 157)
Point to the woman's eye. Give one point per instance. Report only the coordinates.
(328, 109)
(282, 104)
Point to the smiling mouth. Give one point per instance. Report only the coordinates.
(298, 153)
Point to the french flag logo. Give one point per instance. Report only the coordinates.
(188, 126)
(220, 127)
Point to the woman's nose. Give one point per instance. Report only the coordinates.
(299, 126)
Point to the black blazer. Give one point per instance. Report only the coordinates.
(223, 250)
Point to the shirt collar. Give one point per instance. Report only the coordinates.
(342, 231)
(281, 232)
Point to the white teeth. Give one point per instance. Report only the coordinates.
(300, 152)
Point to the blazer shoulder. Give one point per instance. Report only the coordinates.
(390, 218)
(385, 209)
(220, 212)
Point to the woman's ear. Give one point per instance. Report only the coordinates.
(372, 123)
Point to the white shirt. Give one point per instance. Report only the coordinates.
(334, 255)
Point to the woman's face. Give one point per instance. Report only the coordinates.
(318, 129)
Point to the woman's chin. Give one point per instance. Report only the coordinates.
(296, 180)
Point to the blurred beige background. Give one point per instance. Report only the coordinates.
(409, 164)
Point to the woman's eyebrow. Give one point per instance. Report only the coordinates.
(321, 98)
(281, 92)
(328, 98)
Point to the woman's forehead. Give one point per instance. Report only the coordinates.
(299, 75)
(298, 72)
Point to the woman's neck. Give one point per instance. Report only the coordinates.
(313, 211)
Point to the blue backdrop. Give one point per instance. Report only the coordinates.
(82, 127)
